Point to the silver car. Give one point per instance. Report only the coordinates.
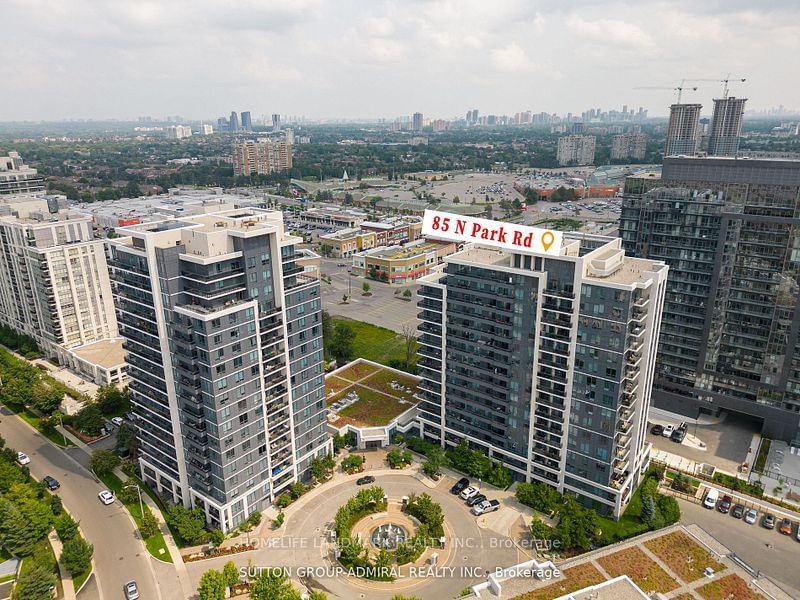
(131, 591)
(750, 516)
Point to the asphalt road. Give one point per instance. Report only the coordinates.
(119, 555)
(765, 550)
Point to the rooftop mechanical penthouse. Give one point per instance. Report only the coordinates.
(224, 344)
(545, 362)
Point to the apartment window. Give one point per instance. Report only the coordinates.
(243, 418)
(229, 454)
(232, 318)
(215, 323)
(237, 362)
(222, 383)
(237, 347)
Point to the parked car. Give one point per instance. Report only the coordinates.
(51, 483)
(725, 504)
(797, 533)
(117, 421)
(750, 516)
(738, 511)
(106, 497)
(131, 591)
(678, 435)
(710, 501)
(785, 527)
(657, 429)
(367, 479)
(668, 431)
(486, 506)
(460, 485)
(469, 492)
(476, 499)
(768, 522)
(23, 458)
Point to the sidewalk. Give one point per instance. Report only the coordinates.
(66, 578)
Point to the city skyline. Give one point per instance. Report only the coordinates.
(501, 59)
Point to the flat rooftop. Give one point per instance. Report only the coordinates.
(401, 252)
(105, 353)
(366, 394)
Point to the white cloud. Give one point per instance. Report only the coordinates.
(385, 50)
(511, 58)
(611, 31)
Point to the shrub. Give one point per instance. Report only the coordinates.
(148, 526)
(55, 505)
(277, 522)
(216, 537)
(353, 463)
(104, 462)
(66, 527)
(189, 524)
(76, 555)
(284, 500)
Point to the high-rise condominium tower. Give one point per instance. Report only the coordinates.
(726, 126)
(233, 122)
(18, 178)
(262, 156)
(224, 344)
(417, 121)
(247, 123)
(545, 362)
(683, 135)
(729, 230)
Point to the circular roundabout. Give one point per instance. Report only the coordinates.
(374, 551)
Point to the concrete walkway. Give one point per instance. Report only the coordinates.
(66, 579)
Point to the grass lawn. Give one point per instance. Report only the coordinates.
(375, 343)
(731, 586)
(357, 371)
(35, 422)
(640, 568)
(78, 581)
(335, 384)
(628, 525)
(382, 381)
(685, 557)
(7, 578)
(574, 578)
(154, 543)
(372, 408)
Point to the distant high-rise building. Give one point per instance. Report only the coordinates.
(289, 136)
(262, 156)
(544, 362)
(628, 145)
(178, 132)
(417, 121)
(577, 128)
(206, 129)
(223, 124)
(726, 126)
(247, 124)
(276, 122)
(223, 335)
(576, 150)
(683, 129)
(233, 122)
(18, 178)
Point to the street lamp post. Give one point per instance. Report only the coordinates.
(139, 490)
(349, 284)
(61, 424)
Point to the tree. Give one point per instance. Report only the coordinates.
(45, 399)
(189, 524)
(77, 555)
(35, 583)
(434, 460)
(111, 400)
(317, 596)
(538, 496)
(271, 585)
(327, 331)
(128, 494)
(540, 531)
(342, 346)
(89, 420)
(648, 510)
(55, 505)
(149, 525)
(66, 527)
(409, 341)
(104, 462)
(499, 476)
(212, 586)
(231, 574)
(24, 519)
(407, 293)
(365, 287)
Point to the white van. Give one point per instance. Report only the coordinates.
(710, 501)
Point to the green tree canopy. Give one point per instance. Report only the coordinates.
(76, 555)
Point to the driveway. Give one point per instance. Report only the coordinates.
(119, 555)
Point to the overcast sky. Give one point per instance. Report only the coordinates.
(347, 58)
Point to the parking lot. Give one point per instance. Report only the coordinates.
(762, 549)
(383, 308)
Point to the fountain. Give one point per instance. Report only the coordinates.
(388, 536)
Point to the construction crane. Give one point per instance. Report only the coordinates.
(678, 89)
(727, 80)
